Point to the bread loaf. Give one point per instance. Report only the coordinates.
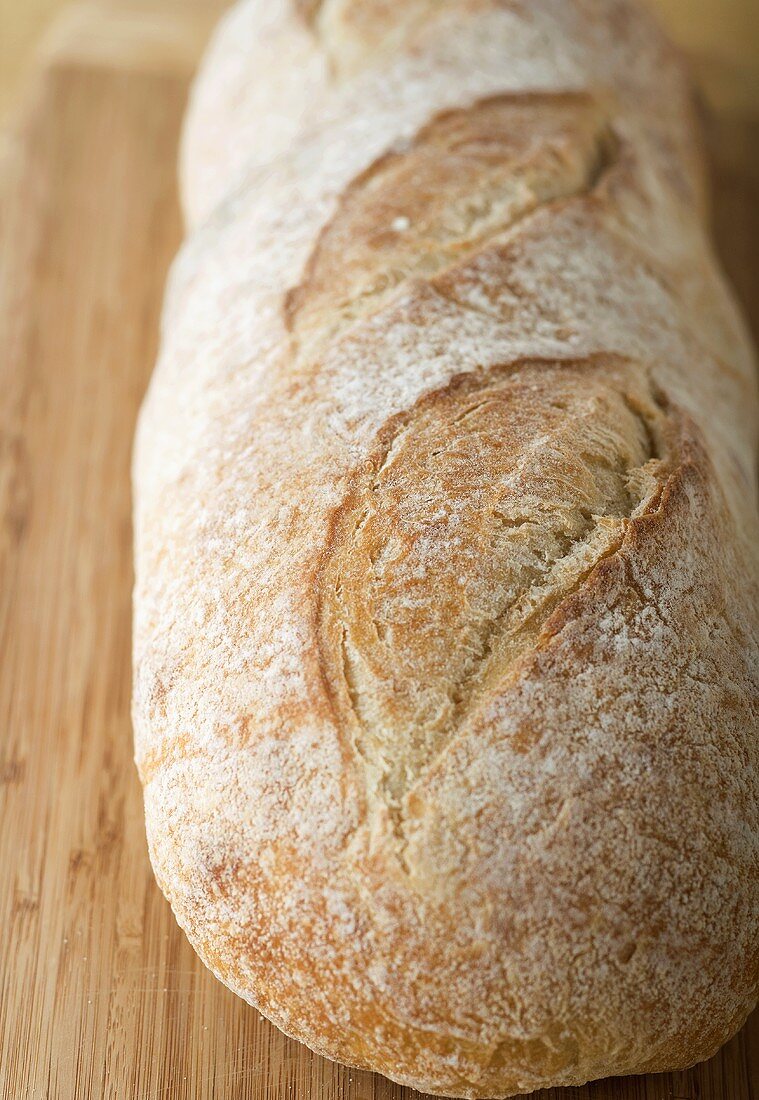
(446, 655)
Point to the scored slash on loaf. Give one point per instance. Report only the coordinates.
(446, 655)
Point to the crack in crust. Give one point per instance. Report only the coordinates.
(308, 10)
(483, 509)
(469, 176)
(355, 33)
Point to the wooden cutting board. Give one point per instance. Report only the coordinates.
(101, 996)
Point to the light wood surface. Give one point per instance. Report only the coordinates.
(100, 994)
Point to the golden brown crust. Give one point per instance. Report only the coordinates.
(469, 176)
(446, 654)
(476, 517)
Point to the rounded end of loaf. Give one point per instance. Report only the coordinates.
(499, 914)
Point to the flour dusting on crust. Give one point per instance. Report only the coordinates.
(446, 653)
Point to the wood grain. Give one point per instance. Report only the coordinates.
(100, 994)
